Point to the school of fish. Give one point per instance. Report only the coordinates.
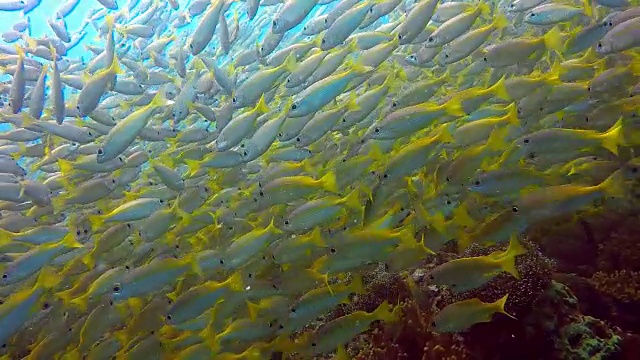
(218, 174)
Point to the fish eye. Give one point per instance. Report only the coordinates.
(86, 231)
(116, 288)
(430, 39)
(515, 209)
(314, 344)
(4, 276)
(376, 130)
(161, 201)
(288, 80)
(477, 183)
(344, 120)
(286, 222)
(78, 232)
(485, 59)
(298, 139)
(386, 176)
(448, 202)
(113, 181)
(394, 104)
(274, 23)
(294, 106)
(532, 15)
(234, 100)
(446, 56)
(371, 10)
(128, 226)
(526, 141)
(433, 323)
(45, 306)
(589, 88)
(333, 250)
(293, 309)
(74, 144)
(324, 41)
(399, 36)
(326, 21)
(90, 133)
(168, 316)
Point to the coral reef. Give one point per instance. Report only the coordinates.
(622, 285)
(575, 335)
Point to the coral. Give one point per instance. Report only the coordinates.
(621, 249)
(622, 285)
(575, 336)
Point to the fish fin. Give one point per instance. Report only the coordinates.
(352, 200)
(290, 62)
(553, 40)
(384, 312)
(341, 353)
(614, 185)
(261, 107)
(613, 137)
(329, 182)
(508, 260)
(96, 221)
(500, 303)
(588, 7)
(193, 166)
(352, 104)
(357, 286)
(454, 107)
(512, 115)
(500, 90)
(253, 310)
(501, 21)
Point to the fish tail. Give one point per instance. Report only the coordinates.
(454, 107)
(48, 278)
(357, 285)
(612, 138)
(509, 259)
(553, 40)
(512, 115)
(352, 104)
(74, 354)
(290, 62)
(500, 90)
(500, 303)
(6, 237)
(115, 66)
(385, 312)
(96, 221)
(71, 242)
(501, 22)
(193, 166)
(588, 7)
(329, 182)
(353, 199)
(614, 185)
(253, 310)
(82, 302)
(261, 107)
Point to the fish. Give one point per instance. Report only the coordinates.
(225, 178)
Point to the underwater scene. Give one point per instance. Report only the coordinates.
(319, 179)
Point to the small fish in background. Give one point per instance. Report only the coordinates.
(190, 177)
